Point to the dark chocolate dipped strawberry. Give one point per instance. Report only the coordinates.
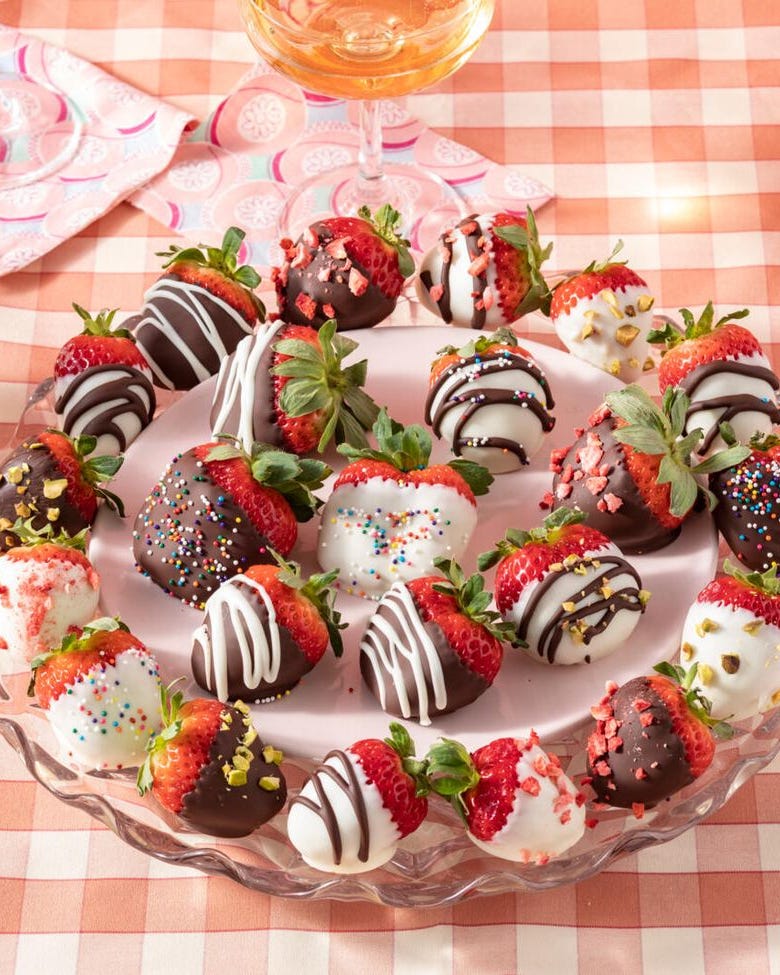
(516, 801)
(653, 736)
(286, 385)
(217, 510)
(51, 479)
(748, 495)
(486, 271)
(197, 313)
(630, 471)
(348, 268)
(103, 384)
(264, 630)
(723, 369)
(433, 646)
(210, 768)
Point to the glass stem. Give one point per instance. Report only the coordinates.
(371, 179)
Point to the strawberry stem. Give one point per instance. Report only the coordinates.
(318, 589)
(385, 224)
(473, 600)
(694, 328)
(100, 326)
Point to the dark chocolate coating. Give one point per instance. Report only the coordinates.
(294, 662)
(642, 747)
(462, 684)
(186, 309)
(350, 310)
(748, 497)
(204, 536)
(264, 426)
(216, 808)
(42, 467)
(633, 527)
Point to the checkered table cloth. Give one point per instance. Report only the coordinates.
(653, 122)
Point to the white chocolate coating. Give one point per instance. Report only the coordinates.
(751, 689)
(406, 527)
(105, 720)
(564, 587)
(307, 830)
(40, 603)
(601, 348)
(539, 826)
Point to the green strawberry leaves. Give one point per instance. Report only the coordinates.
(317, 381)
(550, 531)
(451, 772)
(318, 589)
(170, 705)
(401, 742)
(476, 476)
(100, 325)
(30, 536)
(659, 432)
(698, 704)
(483, 344)
(525, 240)
(694, 328)
(97, 470)
(473, 601)
(766, 582)
(385, 224)
(78, 641)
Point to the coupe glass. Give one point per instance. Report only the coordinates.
(366, 50)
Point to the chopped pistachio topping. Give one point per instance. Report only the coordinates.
(613, 367)
(14, 475)
(645, 302)
(571, 560)
(630, 311)
(5, 524)
(610, 299)
(22, 510)
(607, 591)
(249, 735)
(729, 662)
(687, 650)
(753, 627)
(53, 489)
(556, 567)
(240, 762)
(706, 626)
(705, 674)
(52, 513)
(648, 364)
(236, 777)
(569, 606)
(272, 755)
(580, 570)
(776, 697)
(633, 362)
(270, 783)
(626, 334)
(644, 596)
(21, 489)
(586, 331)
(241, 708)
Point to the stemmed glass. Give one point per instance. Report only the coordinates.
(366, 50)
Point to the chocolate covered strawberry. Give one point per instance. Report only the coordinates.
(515, 799)
(732, 633)
(653, 736)
(48, 588)
(356, 806)
(391, 514)
(286, 385)
(100, 690)
(52, 479)
(433, 646)
(263, 630)
(490, 400)
(748, 495)
(723, 370)
(603, 315)
(197, 312)
(348, 268)
(103, 384)
(210, 768)
(486, 271)
(216, 510)
(566, 589)
(631, 472)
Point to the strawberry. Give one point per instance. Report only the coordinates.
(566, 589)
(490, 400)
(748, 496)
(96, 374)
(217, 510)
(653, 736)
(197, 313)
(433, 646)
(603, 315)
(631, 470)
(48, 588)
(514, 798)
(286, 385)
(357, 805)
(486, 271)
(724, 372)
(100, 691)
(348, 268)
(209, 767)
(290, 622)
(52, 480)
(390, 514)
(732, 633)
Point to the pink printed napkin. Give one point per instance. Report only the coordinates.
(74, 142)
(268, 135)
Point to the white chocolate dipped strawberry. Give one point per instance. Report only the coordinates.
(358, 804)
(732, 634)
(490, 401)
(390, 514)
(485, 271)
(515, 799)
(48, 588)
(567, 589)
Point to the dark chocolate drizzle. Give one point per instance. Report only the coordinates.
(476, 244)
(125, 392)
(349, 784)
(552, 633)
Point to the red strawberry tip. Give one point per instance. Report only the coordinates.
(671, 336)
(318, 589)
(401, 742)
(473, 600)
(100, 325)
(385, 224)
